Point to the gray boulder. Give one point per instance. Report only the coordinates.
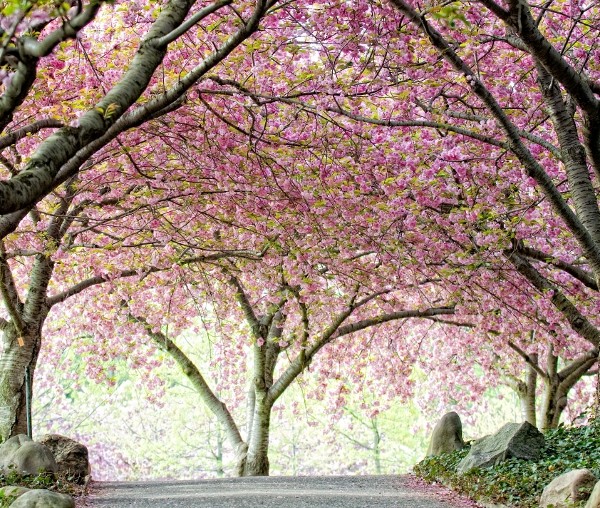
(11, 445)
(26, 456)
(520, 440)
(71, 457)
(12, 491)
(568, 489)
(40, 498)
(447, 435)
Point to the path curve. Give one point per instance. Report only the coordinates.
(390, 491)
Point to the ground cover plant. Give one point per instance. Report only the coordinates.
(57, 483)
(519, 482)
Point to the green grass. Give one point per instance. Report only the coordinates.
(519, 482)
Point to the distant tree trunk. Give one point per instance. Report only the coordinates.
(219, 453)
(559, 383)
(376, 446)
(526, 391)
(596, 408)
(529, 408)
(22, 336)
(550, 411)
(266, 333)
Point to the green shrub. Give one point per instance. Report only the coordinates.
(519, 482)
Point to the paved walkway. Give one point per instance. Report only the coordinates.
(276, 492)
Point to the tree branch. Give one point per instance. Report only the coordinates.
(256, 329)
(528, 360)
(13, 137)
(334, 331)
(529, 162)
(523, 24)
(216, 406)
(578, 321)
(576, 364)
(38, 176)
(10, 295)
(576, 272)
(185, 26)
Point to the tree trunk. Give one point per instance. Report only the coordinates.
(548, 410)
(526, 392)
(555, 402)
(13, 365)
(219, 454)
(529, 403)
(596, 406)
(559, 383)
(257, 460)
(376, 446)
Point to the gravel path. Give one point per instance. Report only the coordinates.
(277, 492)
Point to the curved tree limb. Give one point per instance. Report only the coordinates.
(578, 321)
(191, 371)
(334, 331)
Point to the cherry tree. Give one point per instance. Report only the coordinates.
(39, 271)
(309, 289)
(291, 325)
(80, 93)
(362, 160)
(560, 105)
(488, 109)
(554, 44)
(546, 384)
(122, 100)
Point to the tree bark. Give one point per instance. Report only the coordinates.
(559, 383)
(14, 362)
(529, 409)
(549, 409)
(257, 461)
(596, 406)
(376, 446)
(526, 392)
